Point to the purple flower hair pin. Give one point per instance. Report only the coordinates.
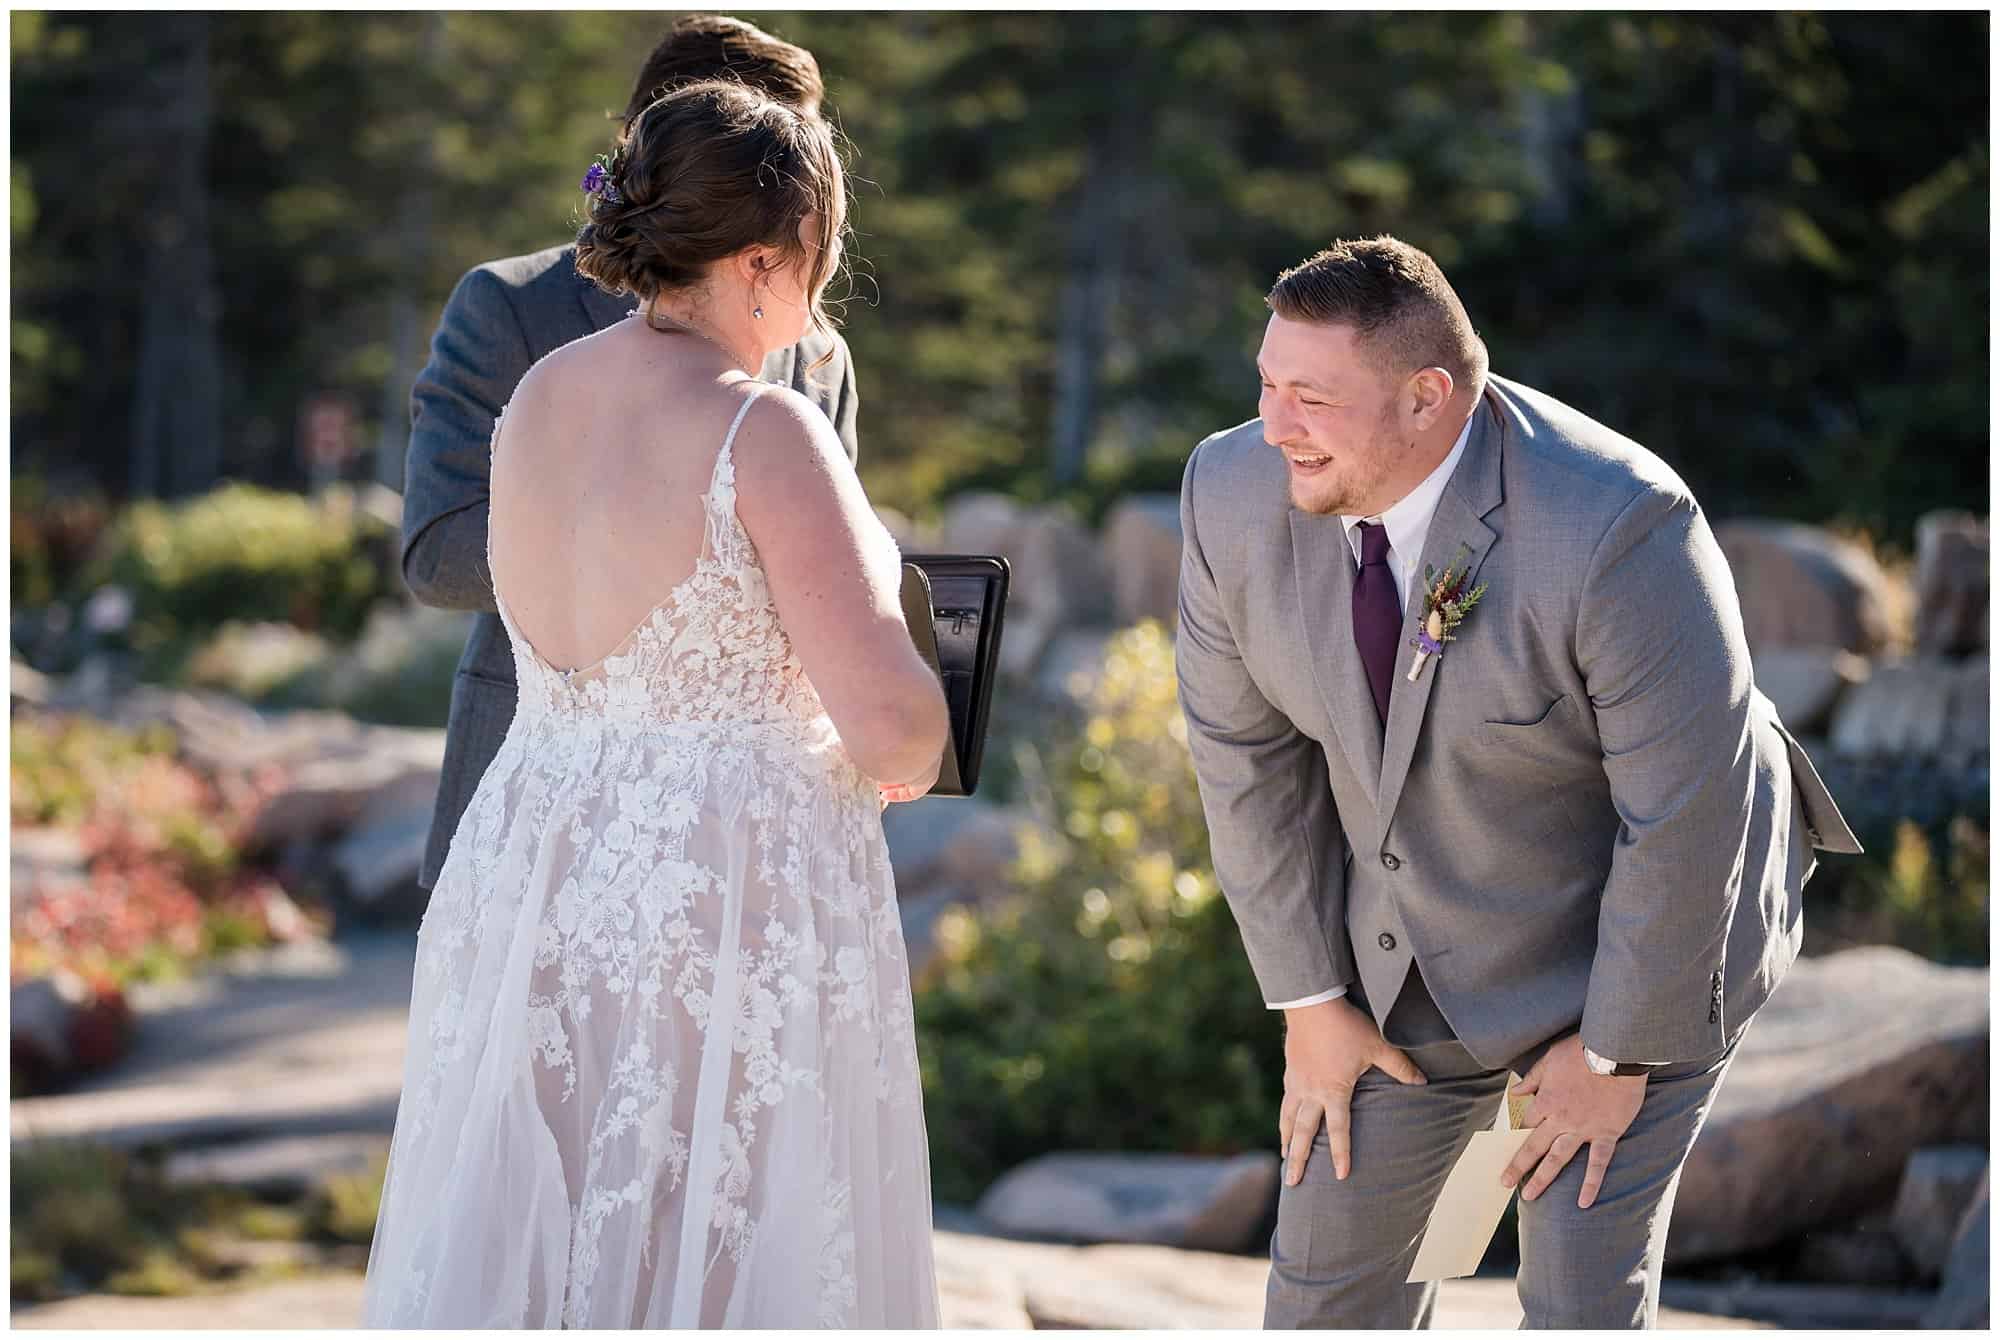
(598, 181)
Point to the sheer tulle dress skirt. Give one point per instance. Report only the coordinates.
(662, 1066)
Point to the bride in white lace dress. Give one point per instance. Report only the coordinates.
(662, 1066)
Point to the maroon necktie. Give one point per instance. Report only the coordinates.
(1378, 617)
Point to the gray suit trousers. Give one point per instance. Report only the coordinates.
(1343, 1249)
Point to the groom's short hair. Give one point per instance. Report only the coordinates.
(1395, 297)
(700, 47)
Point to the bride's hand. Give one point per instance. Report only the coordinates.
(914, 789)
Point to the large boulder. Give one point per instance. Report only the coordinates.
(285, 1166)
(1058, 569)
(1866, 1256)
(1954, 577)
(1142, 546)
(1805, 683)
(1858, 1059)
(60, 1027)
(25, 684)
(1207, 1204)
(948, 852)
(355, 773)
(1965, 1302)
(1920, 709)
(982, 523)
(1939, 1186)
(1800, 586)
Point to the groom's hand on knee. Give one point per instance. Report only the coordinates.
(1572, 1108)
(1328, 1047)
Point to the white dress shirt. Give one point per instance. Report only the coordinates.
(1408, 522)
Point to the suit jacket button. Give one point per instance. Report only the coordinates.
(1390, 861)
(1386, 940)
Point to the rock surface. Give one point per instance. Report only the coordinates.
(1920, 709)
(983, 1283)
(1205, 1204)
(1939, 1186)
(1142, 547)
(1805, 683)
(1966, 1300)
(948, 852)
(983, 523)
(302, 1039)
(1869, 1257)
(1058, 569)
(288, 1166)
(1954, 580)
(1800, 586)
(1858, 1059)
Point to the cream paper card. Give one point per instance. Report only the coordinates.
(1468, 1210)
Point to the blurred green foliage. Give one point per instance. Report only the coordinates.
(243, 553)
(1109, 1005)
(1755, 242)
(1926, 888)
(89, 1218)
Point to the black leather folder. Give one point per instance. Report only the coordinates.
(955, 604)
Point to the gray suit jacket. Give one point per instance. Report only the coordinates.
(1583, 815)
(502, 318)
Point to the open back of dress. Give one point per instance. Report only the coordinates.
(662, 1065)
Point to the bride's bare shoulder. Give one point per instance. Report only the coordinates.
(783, 434)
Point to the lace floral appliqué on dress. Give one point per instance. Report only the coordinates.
(662, 1065)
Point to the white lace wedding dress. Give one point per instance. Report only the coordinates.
(662, 1066)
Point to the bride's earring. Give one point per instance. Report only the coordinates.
(758, 312)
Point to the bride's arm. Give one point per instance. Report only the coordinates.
(836, 579)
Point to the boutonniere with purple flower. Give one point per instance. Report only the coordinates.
(598, 181)
(1446, 603)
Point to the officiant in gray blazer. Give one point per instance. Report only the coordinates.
(1489, 788)
(503, 317)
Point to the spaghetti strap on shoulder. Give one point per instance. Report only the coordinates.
(726, 539)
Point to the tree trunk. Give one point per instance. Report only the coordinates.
(1090, 292)
(413, 247)
(176, 421)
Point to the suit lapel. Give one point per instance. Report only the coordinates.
(1323, 564)
(1457, 534)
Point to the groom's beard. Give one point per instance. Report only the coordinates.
(1354, 478)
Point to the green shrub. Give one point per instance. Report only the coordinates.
(1924, 889)
(1109, 1005)
(246, 554)
(89, 1218)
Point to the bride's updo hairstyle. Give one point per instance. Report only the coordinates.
(702, 173)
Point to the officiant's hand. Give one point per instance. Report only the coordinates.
(1328, 1047)
(1572, 1107)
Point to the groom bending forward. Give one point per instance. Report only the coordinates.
(1488, 787)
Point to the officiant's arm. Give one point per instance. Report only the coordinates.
(1273, 833)
(1660, 642)
(479, 354)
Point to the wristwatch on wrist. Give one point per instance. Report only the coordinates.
(1604, 1065)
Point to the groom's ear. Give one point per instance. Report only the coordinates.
(1426, 394)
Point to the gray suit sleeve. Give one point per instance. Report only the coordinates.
(1273, 833)
(478, 356)
(1659, 639)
